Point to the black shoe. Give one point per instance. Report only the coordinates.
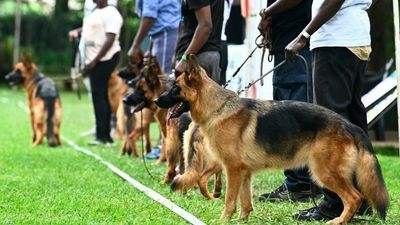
(324, 211)
(283, 194)
(328, 211)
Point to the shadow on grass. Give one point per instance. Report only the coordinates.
(386, 150)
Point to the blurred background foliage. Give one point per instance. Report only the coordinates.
(44, 32)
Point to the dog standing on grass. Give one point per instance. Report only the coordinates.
(249, 135)
(43, 101)
(200, 165)
(151, 84)
(129, 124)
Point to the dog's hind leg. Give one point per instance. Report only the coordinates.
(246, 205)
(40, 133)
(203, 183)
(335, 172)
(218, 182)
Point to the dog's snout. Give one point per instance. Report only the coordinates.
(126, 100)
(8, 76)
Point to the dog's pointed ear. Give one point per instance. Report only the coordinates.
(26, 59)
(194, 66)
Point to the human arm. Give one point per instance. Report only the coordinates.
(110, 37)
(327, 10)
(72, 34)
(134, 52)
(201, 34)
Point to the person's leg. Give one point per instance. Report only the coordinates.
(292, 81)
(210, 62)
(337, 82)
(164, 45)
(99, 78)
(224, 62)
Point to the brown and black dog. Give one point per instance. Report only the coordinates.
(129, 124)
(249, 135)
(43, 101)
(200, 165)
(150, 85)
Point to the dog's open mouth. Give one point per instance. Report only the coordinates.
(137, 108)
(177, 110)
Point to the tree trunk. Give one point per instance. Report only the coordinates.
(61, 7)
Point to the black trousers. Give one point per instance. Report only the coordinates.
(292, 81)
(99, 78)
(338, 79)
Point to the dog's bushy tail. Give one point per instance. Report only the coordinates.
(369, 177)
(49, 104)
(185, 182)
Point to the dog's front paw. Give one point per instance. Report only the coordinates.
(336, 221)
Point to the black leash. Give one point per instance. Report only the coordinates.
(260, 78)
(144, 158)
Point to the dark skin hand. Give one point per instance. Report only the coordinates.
(274, 9)
(201, 34)
(135, 53)
(110, 37)
(327, 10)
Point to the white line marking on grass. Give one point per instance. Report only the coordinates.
(149, 192)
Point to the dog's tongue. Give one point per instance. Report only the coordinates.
(172, 111)
(133, 108)
(137, 108)
(169, 114)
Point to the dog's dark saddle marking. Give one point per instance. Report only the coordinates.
(286, 126)
(46, 87)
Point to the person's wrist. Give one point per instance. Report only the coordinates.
(185, 58)
(305, 34)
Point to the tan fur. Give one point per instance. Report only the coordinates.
(229, 127)
(128, 127)
(37, 110)
(171, 145)
(200, 165)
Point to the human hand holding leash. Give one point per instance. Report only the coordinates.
(294, 47)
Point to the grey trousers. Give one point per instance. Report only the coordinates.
(210, 62)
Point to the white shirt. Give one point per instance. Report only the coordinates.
(95, 27)
(89, 6)
(227, 13)
(349, 27)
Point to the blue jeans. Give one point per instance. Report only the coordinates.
(292, 81)
(164, 45)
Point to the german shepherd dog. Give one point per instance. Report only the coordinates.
(200, 165)
(129, 123)
(43, 101)
(249, 135)
(151, 84)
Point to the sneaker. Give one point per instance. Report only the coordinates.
(328, 211)
(283, 194)
(91, 132)
(99, 142)
(155, 154)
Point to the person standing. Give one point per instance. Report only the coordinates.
(281, 21)
(159, 19)
(200, 35)
(100, 33)
(340, 42)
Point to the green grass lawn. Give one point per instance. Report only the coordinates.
(61, 186)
